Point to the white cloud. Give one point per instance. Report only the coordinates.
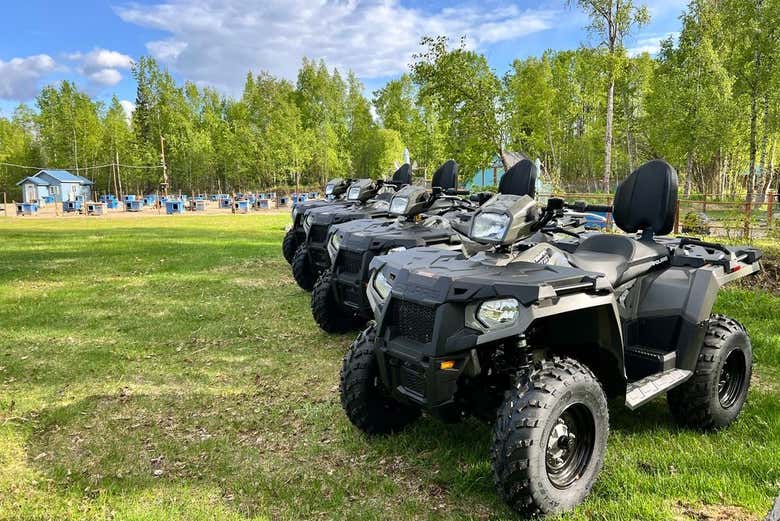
(217, 41)
(101, 66)
(650, 43)
(19, 77)
(129, 107)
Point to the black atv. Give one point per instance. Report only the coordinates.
(366, 198)
(435, 219)
(335, 191)
(536, 338)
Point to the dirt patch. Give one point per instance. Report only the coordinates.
(696, 512)
(767, 280)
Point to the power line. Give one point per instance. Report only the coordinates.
(147, 167)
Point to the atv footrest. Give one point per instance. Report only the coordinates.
(642, 391)
(645, 361)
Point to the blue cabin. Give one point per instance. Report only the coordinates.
(61, 185)
(174, 206)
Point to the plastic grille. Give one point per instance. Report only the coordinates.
(414, 321)
(351, 262)
(318, 232)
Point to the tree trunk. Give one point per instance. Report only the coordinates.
(751, 181)
(762, 173)
(608, 135)
(688, 174)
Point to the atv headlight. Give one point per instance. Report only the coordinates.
(381, 285)
(499, 312)
(490, 226)
(335, 240)
(397, 248)
(329, 189)
(354, 193)
(398, 205)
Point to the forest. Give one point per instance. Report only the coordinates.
(708, 102)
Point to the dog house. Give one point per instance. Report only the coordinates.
(72, 206)
(282, 201)
(128, 198)
(241, 206)
(226, 203)
(263, 204)
(26, 208)
(174, 206)
(96, 208)
(314, 195)
(135, 205)
(197, 205)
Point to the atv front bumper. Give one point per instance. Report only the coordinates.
(429, 382)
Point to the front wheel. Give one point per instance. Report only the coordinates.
(715, 395)
(302, 270)
(329, 314)
(290, 245)
(363, 397)
(550, 438)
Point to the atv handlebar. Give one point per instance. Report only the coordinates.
(582, 206)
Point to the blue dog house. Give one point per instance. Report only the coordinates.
(72, 206)
(134, 205)
(225, 203)
(197, 205)
(241, 206)
(128, 198)
(263, 204)
(174, 206)
(282, 201)
(26, 208)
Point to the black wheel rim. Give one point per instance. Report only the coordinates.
(570, 445)
(732, 378)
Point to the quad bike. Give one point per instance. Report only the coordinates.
(366, 198)
(436, 219)
(535, 338)
(335, 191)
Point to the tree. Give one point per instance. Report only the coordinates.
(612, 20)
(462, 89)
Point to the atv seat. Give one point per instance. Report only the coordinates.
(618, 257)
(645, 201)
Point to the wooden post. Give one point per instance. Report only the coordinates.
(704, 203)
(770, 200)
(677, 217)
(746, 231)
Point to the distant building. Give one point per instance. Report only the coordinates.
(60, 184)
(491, 174)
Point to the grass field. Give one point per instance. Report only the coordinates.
(169, 368)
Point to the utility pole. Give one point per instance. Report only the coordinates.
(164, 167)
(119, 178)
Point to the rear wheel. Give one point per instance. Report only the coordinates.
(329, 314)
(550, 438)
(290, 245)
(363, 396)
(302, 269)
(715, 395)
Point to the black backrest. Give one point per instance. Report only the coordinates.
(403, 176)
(446, 176)
(647, 199)
(520, 179)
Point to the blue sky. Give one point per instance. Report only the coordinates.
(215, 42)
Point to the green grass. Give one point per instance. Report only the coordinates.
(168, 368)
